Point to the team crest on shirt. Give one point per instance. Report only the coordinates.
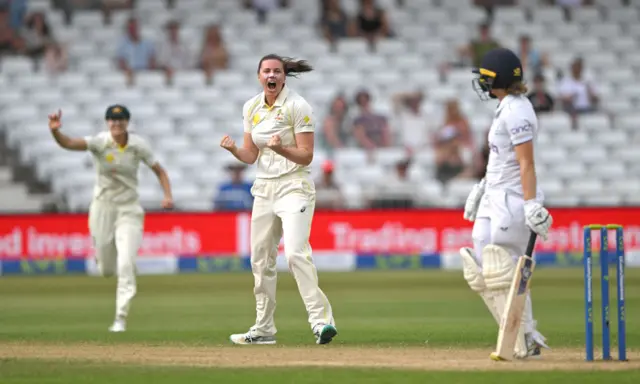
(279, 115)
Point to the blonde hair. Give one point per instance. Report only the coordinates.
(517, 89)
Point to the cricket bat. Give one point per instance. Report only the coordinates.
(514, 308)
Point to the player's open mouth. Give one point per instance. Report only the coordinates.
(271, 85)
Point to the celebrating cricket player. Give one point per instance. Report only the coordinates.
(506, 204)
(116, 217)
(279, 136)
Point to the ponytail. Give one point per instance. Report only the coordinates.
(291, 66)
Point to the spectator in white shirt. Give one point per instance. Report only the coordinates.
(173, 54)
(577, 93)
(410, 120)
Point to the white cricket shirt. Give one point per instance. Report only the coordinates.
(117, 167)
(289, 115)
(515, 122)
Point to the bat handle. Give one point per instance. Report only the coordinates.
(531, 244)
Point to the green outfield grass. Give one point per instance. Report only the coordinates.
(375, 311)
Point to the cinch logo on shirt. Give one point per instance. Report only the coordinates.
(523, 128)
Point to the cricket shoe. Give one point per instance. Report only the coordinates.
(325, 333)
(250, 338)
(118, 326)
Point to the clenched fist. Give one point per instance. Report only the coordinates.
(55, 121)
(228, 143)
(275, 142)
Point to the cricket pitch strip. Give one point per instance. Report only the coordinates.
(230, 356)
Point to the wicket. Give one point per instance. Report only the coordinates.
(604, 289)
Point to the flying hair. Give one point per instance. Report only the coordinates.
(291, 66)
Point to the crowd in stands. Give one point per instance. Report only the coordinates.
(349, 122)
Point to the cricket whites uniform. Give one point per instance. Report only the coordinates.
(284, 202)
(500, 219)
(116, 217)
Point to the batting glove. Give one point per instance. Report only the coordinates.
(537, 218)
(473, 201)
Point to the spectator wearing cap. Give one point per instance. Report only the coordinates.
(134, 52)
(173, 54)
(328, 194)
(370, 129)
(235, 194)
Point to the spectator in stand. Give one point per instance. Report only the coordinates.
(371, 130)
(10, 42)
(541, 99)
(489, 5)
(263, 7)
(334, 22)
(328, 193)
(533, 61)
(36, 35)
(449, 159)
(397, 191)
(410, 121)
(472, 53)
(106, 6)
(234, 195)
(454, 119)
(577, 92)
(56, 59)
(336, 132)
(173, 54)
(135, 53)
(214, 55)
(372, 22)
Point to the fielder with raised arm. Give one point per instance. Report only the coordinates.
(506, 204)
(116, 218)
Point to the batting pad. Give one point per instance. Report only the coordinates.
(498, 272)
(473, 275)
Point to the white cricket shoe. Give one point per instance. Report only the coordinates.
(118, 326)
(250, 338)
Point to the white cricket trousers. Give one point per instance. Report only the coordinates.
(117, 231)
(500, 221)
(284, 206)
